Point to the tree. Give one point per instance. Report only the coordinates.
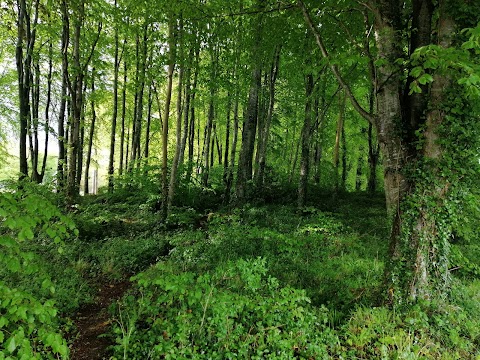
(418, 266)
(25, 45)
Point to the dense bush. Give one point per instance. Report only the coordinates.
(29, 328)
(236, 311)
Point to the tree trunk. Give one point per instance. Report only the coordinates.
(191, 128)
(231, 165)
(338, 136)
(207, 139)
(305, 143)
(47, 110)
(262, 147)
(344, 159)
(149, 123)
(76, 105)
(244, 173)
(178, 147)
(23, 63)
(113, 130)
(373, 154)
(91, 136)
(420, 234)
(140, 88)
(63, 101)
(171, 67)
(124, 103)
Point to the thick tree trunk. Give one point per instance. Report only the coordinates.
(421, 235)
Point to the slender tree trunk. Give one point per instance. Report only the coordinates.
(295, 160)
(178, 148)
(35, 111)
(207, 139)
(359, 172)
(124, 103)
(244, 173)
(262, 147)
(191, 128)
(76, 104)
(149, 122)
(23, 62)
(343, 184)
(171, 67)
(63, 101)
(305, 143)
(91, 136)
(231, 165)
(47, 111)
(138, 118)
(188, 95)
(373, 154)
(338, 136)
(111, 159)
(227, 139)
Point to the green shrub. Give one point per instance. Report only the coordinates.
(29, 328)
(235, 311)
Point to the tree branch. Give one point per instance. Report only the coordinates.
(369, 117)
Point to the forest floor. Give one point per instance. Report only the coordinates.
(92, 321)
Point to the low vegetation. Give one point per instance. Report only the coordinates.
(260, 281)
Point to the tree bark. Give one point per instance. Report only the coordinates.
(305, 143)
(23, 62)
(262, 147)
(338, 136)
(124, 109)
(171, 67)
(47, 111)
(91, 136)
(244, 173)
(116, 65)
(178, 147)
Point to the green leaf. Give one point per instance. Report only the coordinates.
(13, 264)
(11, 345)
(425, 79)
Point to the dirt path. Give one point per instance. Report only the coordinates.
(92, 321)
